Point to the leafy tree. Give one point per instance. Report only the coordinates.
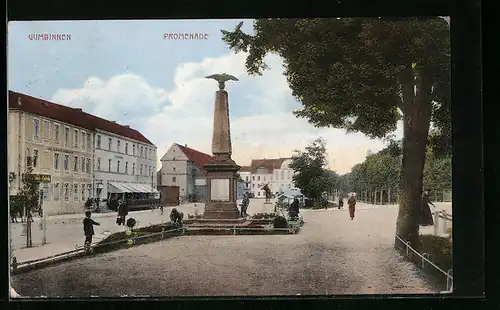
(364, 75)
(311, 176)
(27, 197)
(437, 172)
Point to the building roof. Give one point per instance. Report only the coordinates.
(198, 158)
(269, 164)
(245, 169)
(73, 116)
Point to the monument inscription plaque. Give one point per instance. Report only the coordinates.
(219, 189)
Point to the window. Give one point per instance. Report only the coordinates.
(83, 192)
(282, 174)
(98, 141)
(174, 179)
(66, 191)
(109, 165)
(56, 133)
(56, 161)
(253, 185)
(46, 129)
(289, 173)
(66, 136)
(126, 167)
(258, 193)
(75, 137)
(98, 163)
(118, 146)
(88, 141)
(133, 168)
(36, 128)
(142, 151)
(75, 192)
(253, 178)
(83, 164)
(149, 170)
(66, 162)
(133, 149)
(75, 164)
(126, 148)
(56, 192)
(35, 158)
(258, 178)
(118, 167)
(246, 179)
(173, 168)
(145, 169)
(88, 165)
(84, 138)
(109, 143)
(89, 190)
(140, 173)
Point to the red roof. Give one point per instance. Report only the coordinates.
(269, 164)
(198, 158)
(71, 116)
(245, 169)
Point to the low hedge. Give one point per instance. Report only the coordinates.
(440, 253)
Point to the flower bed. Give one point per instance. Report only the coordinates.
(259, 216)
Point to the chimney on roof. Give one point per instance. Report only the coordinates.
(78, 109)
(113, 122)
(185, 145)
(128, 126)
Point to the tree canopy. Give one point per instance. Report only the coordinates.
(311, 176)
(363, 75)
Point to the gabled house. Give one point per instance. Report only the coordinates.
(182, 170)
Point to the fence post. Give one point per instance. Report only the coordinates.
(407, 247)
(425, 255)
(449, 281)
(436, 222)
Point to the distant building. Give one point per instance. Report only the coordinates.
(182, 171)
(245, 173)
(276, 172)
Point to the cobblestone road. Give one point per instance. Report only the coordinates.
(330, 255)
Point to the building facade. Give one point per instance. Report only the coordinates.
(62, 144)
(245, 173)
(275, 172)
(59, 148)
(182, 167)
(125, 164)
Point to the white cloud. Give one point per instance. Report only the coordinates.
(185, 113)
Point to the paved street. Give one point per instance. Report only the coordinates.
(330, 255)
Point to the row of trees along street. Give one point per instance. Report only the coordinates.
(364, 75)
(376, 180)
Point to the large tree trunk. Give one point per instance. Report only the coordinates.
(416, 116)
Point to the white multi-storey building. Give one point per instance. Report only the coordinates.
(58, 143)
(76, 155)
(275, 172)
(125, 162)
(245, 173)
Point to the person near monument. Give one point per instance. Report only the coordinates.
(352, 206)
(294, 208)
(88, 228)
(341, 202)
(425, 210)
(244, 205)
(176, 217)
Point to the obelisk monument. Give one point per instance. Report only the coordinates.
(222, 174)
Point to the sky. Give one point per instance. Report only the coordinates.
(125, 71)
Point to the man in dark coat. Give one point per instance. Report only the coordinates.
(122, 212)
(352, 206)
(294, 208)
(176, 217)
(88, 228)
(244, 205)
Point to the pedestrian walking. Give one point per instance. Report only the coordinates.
(341, 203)
(352, 206)
(161, 209)
(88, 229)
(122, 212)
(294, 208)
(425, 210)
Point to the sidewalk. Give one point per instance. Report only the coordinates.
(65, 233)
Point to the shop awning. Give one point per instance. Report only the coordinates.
(116, 187)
